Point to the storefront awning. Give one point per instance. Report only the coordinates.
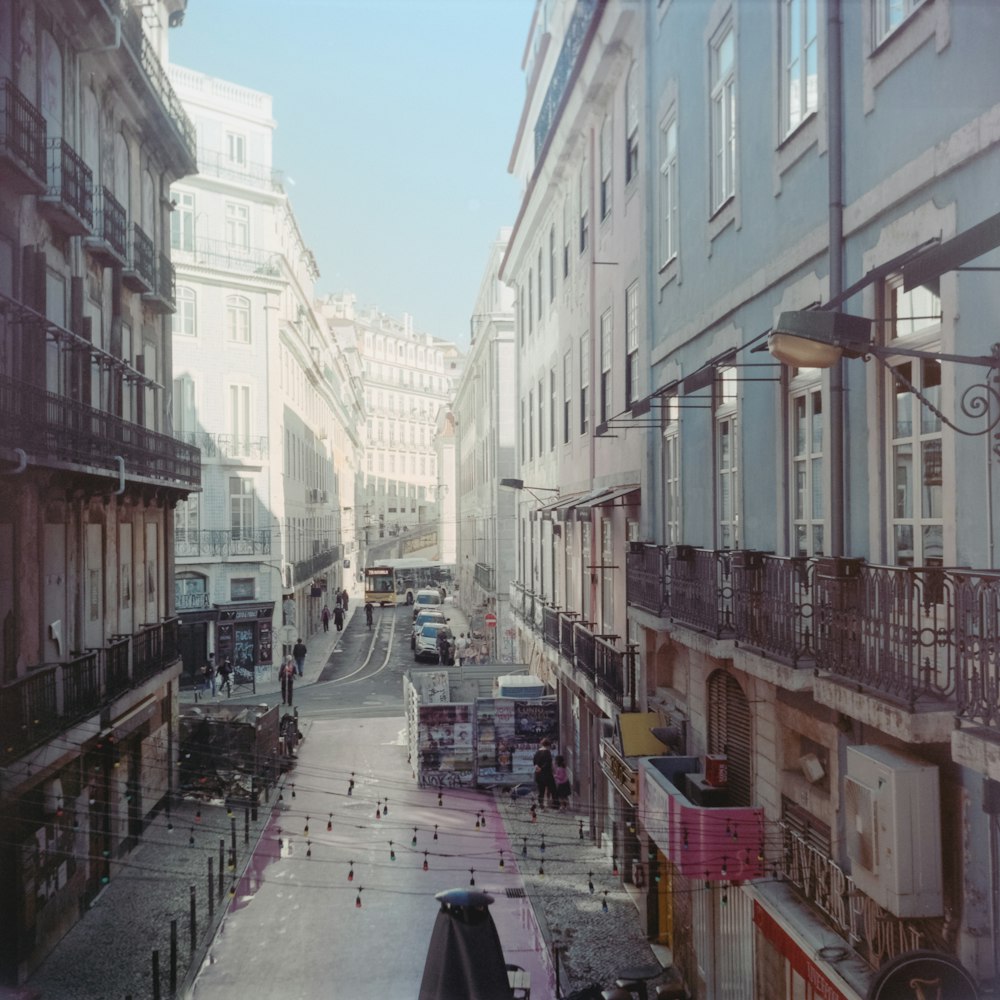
(609, 496)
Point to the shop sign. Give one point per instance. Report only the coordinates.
(617, 770)
(923, 975)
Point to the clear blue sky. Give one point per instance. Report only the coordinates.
(395, 119)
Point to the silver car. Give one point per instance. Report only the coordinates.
(426, 616)
(426, 644)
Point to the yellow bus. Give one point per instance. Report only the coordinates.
(380, 585)
(396, 581)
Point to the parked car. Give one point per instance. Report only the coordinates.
(426, 644)
(428, 597)
(426, 616)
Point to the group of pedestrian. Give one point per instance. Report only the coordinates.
(551, 777)
(224, 674)
(338, 613)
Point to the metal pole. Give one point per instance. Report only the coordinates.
(194, 921)
(246, 826)
(173, 956)
(232, 838)
(222, 862)
(156, 974)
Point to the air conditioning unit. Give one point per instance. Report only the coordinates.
(893, 810)
(323, 496)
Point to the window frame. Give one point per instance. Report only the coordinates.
(631, 126)
(669, 215)
(793, 118)
(606, 163)
(237, 307)
(723, 117)
(672, 495)
(584, 382)
(631, 343)
(237, 224)
(808, 463)
(607, 365)
(185, 318)
(727, 464)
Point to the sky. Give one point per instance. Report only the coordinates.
(395, 124)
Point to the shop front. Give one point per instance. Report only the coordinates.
(244, 635)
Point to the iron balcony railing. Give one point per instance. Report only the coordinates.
(226, 256)
(165, 280)
(143, 260)
(222, 542)
(567, 619)
(215, 164)
(45, 423)
(609, 668)
(700, 589)
(111, 225)
(583, 649)
(70, 181)
(214, 445)
(485, 577)
(646, 577)
(305, 569)
(52, 697)
(550, 625)
(22, 131)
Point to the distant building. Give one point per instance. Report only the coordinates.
(407, 378)
(262, 388)
(92, 136)
(485, 409)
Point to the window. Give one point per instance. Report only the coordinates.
(606, 158)
(242, 589)
(552, 409)
(631, 343)
(237, 225)
(668, 191)
(671, 472)
(239, 418)
(723, 98)
(604, 399)
(541, 416)
(915, 436)
(607, 576)
(890, 14)
(186, 524)
(236, 148)
(237, 319)
(566, 236)
(531, 424)
(184, 317)
(631, 124)
(182, 221)
(541, 283)
(552, 263)
(241, 503)
(800, 72)
(584, 383)
(726, 459)
(567, 393)
(185, 411)
(531, 300)
(583, 200)
(808, 501)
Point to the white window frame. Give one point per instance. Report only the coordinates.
(631, 125)
(671, 471)
(185, 321)
(799, 51)
(585, 383)
(237, 224)
(807, 442)
(607, 336)
(182, 220)
(236, 148)
(606, 163)
(727, 467)
(238, 319)
(607, 574)
(583, 203)
(669, 202)
(239, 415)
(631, 343)
(567, 395)
(890, 15)
(723, 115)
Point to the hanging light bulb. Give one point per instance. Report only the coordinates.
(581, 829)
(329, 823)
(426, 866)
(309, 849)
(197, 815)
(482, 821)
(229, 810)
(477, 821)
(440, 798)
(472, 879)
(541, 868)
(541, 846)
(378, 809)
(524, 848)
(357, 899)
(413, 841)
(350, 874)
(435, 831)
(306, 830)
(191, 838)
(232, 890)
(501, 861)
(385, 807)
(392, 852)
(590, 882)
(350, 785)
(293, 789)
(604, 902)
(725, 867)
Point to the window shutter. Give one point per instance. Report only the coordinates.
(729, 733)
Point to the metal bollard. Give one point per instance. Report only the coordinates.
(194, 921)
(222, 862)
(211, 895)
(173, 956)
(246, 826)
(156, 974)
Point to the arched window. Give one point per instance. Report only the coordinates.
(122, 172)
(729, 733)
(237, 319)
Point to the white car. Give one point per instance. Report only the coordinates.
(426, 616)
(427, 598)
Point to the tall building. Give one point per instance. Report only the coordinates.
(485, 409)
(262, 388)
(92, 136)
(407, 378)
(810, 595)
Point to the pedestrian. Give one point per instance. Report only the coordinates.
(225, 677)
(338, 617)
(338, 603)
(561, 777)
(344, 599)
(544, 781)
(286, 674)
(208, 675)
(299, 655)
(442, 645)
(369, 611)
(461, 649)
(325, 615)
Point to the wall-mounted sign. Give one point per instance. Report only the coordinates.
(923, 975)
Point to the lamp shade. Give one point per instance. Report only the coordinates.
(816, 338)
(800, 352)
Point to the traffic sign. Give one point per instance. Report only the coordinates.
(491, 620)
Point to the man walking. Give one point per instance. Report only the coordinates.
(325, 615)
(299, 655)
(286, 674)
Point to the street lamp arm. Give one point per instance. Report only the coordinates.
(881, 352)
(977, 401)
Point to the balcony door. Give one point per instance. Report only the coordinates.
(94, 629)
(126, 615)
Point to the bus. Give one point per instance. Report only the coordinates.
(394, 581)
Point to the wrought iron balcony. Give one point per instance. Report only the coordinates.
(53, 697)
(701, 591)
(709, 842)
(109, 240)
(550, 626)
(583, 648)
(140, 274)
(54, 427)
(162, 298)
(306, 569)
(214, 164)
(69, 198)
(609, 668)
(231, 446)
(22, 141)
(485, 577)
(233, 257)
(567, 619)
(646, 578)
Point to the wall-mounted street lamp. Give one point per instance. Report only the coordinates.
(820, 338)
(519, 484)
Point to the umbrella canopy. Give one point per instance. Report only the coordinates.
(465, 960)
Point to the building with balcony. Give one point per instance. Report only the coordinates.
(262, 388)
(407, 378)
(810, 582)
(575, 260)
(485, 410)
(91, 138)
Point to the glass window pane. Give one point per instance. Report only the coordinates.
(817, 422)
(930, 457)
(903, 479)
(903, 405)
(903, 542)
(800, 491)
(930, 372)
(817, 487)
(817, 540)
(933, 554)
(800, 424)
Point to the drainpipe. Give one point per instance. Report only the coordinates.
(835, 159)
(22, 463)
(121, 476)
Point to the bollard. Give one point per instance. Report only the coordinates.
(232, 841)
(222, 863)
(211, 895)
(173, 956)
(246, 826)
(194, 922)
(156, 974)
(254, 792)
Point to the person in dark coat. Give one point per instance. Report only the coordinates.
(286, 674)
(338, 618)
(299, 655)
(544, 778)
(325, 615)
